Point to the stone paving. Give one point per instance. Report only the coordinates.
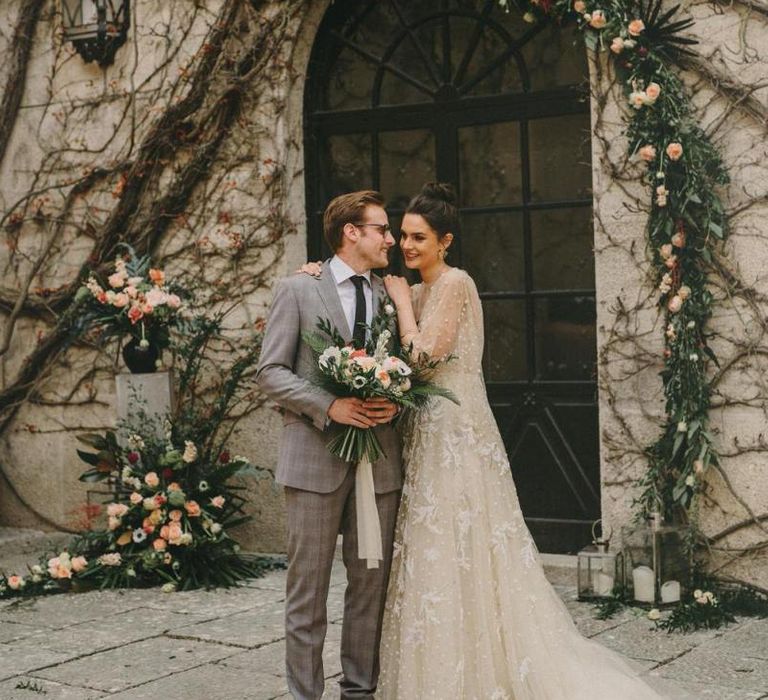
(228, 645)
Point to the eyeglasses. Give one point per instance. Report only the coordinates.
(383, 229)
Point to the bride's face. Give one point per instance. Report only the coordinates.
(419, 243)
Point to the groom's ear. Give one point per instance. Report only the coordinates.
(350, 232)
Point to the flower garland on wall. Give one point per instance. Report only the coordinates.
(686, 223)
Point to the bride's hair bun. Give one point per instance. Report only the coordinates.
(436, 203)
(444, 191)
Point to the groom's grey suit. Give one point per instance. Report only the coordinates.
(320, 496)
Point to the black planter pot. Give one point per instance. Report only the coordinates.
(140, 360)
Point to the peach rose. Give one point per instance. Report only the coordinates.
(617, 45)
(192, 508)
(117, 510)
(151, 479)
(647, 153)
(598, 20)
(666, 250)
(679, 239)
(684, 292)
(159, 544)
(675, 304)
(15, 583)
(174, 533)
(579, 6)
(174, 487)
(79, 563)
(136, 498)
(637, 99)
(218, 501)
(175, 515)
(671, 261)
(157, 276)
(113, 523)
(653, 91)
(636, 27)
(674, 150)
(120, 300)
(131, 291)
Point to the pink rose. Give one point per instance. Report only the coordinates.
(675, 304)
(79, 563)
(647, 153)
(674, 150)
(598, 20)
(653, 91)
(147, 309)
(156, 297)
(136, 498)
(636, 27)
(131, 291)
(678, 239)
(617, 45)
(151, 479)
(120, 300)
(135, 314)
(15, 582)
(174, 533)
(175, 515)
(218, 501)
(116, 280)
(173, 301)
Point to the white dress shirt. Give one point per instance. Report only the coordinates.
(343, 273)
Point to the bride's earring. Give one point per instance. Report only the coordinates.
(441, 253)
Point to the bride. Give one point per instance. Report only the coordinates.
(469, 612)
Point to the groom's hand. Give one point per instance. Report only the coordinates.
(350, 411)
(380, 410)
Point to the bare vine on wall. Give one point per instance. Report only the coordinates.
(178, 170)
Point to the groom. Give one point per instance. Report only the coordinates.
(320, 488)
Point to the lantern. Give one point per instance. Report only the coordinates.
(657, 566)
(598, 569)
(96, 28)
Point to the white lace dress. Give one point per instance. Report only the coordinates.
(469, 612)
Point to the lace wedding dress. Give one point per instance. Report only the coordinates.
(469, 613)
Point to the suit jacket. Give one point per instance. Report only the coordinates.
(286, 367)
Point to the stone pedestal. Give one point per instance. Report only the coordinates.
(144, 401)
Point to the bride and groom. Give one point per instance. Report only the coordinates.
(459, 606)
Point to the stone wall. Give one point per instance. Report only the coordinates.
(245, 227)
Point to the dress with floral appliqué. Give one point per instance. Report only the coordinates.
(469, 612)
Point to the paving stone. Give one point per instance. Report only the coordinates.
(270, 658)
(584, 616)
(274, 580)
(248, 629)
(112, 631)
(24, 656)
(215, 603)
(737, 659)
(702, 691)
(30, 688)
(10, 631)
(57, 611)
(135, 664)
(208, 682)
(330, 692)
(637, 639)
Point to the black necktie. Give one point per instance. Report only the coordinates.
(358, 331)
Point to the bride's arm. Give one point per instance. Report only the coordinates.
(435, 335)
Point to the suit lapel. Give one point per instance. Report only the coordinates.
(329, 295)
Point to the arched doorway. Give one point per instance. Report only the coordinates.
(399, 93)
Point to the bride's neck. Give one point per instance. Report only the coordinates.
(430, 274)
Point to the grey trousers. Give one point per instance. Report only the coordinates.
(314, 521)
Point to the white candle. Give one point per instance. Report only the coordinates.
(670, 591)
(604, 584)
(642, 580)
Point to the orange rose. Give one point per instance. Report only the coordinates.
(159, 544)
(192, 508)
(164, 532)
(647, 153)
(157, 276)
(175, 515)
(675, 150)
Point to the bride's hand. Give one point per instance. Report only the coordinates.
(310, 268)
(397, 289)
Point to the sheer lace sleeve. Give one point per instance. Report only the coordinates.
(440, 315)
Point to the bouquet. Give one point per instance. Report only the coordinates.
(376, 371)
(135, 300)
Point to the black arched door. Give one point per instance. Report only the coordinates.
(399, 93)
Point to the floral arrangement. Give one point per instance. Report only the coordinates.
(176, 498)
(135, 300)
(371, 372)
(687, 221)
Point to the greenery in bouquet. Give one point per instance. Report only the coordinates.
(381, 369)
(133, 300)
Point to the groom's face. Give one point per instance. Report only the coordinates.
(374, 240)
